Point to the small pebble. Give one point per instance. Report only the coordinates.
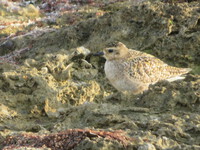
(44, 70)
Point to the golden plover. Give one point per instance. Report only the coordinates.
(133, 71)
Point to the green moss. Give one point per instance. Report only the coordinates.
(196, 69)
(116, 6)
(149, 51)
(170, 22)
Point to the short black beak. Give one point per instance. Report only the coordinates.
(98, 54)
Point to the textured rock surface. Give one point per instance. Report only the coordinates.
(59, 85)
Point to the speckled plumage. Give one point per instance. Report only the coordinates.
(133, 71)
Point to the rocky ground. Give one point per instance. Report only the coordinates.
(53, 91)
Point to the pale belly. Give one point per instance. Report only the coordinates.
(119, 78)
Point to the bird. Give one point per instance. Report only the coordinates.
(132, 71)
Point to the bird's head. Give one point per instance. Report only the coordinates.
(116, 52)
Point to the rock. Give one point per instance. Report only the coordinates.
(7, 46)
(51, 112)
(5, 112)
(83, 50)
(147, 146)
(44, 70)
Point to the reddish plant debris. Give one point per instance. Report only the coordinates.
(15, 0)
(68, 139)
(178, 1)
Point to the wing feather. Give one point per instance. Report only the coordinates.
(150, 69)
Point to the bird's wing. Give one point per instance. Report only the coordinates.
(149, 69)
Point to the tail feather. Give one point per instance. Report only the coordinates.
(186, 70)
(176, 78)
(178, 71)
(181, 75)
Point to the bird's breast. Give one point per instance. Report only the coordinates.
(113, 70)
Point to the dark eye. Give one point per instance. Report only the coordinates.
(110, 50)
